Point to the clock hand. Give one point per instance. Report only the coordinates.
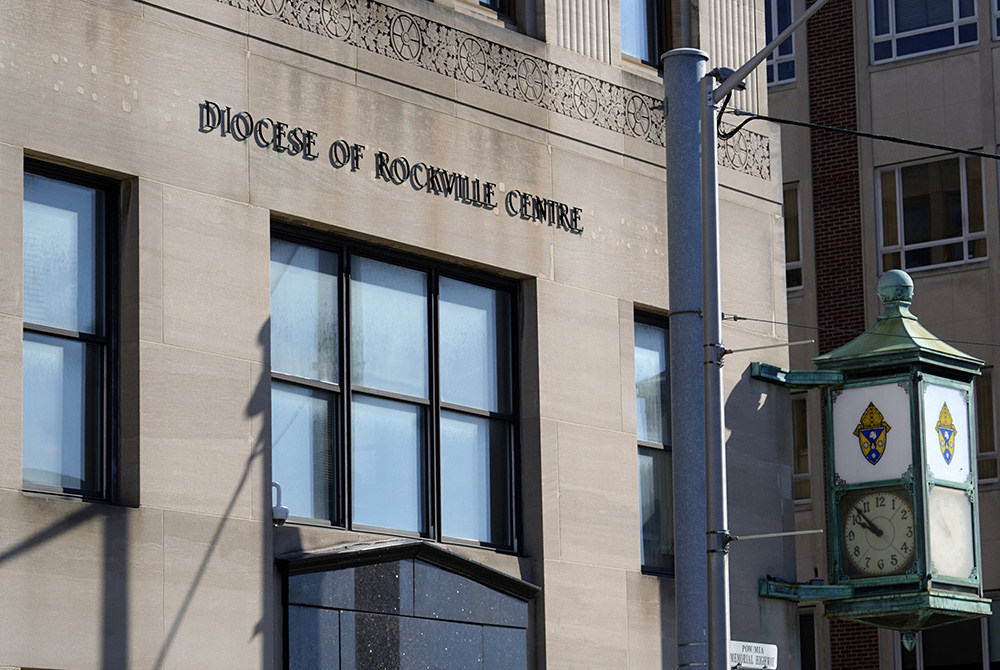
(870, 525)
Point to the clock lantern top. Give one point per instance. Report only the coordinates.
(901, 481)
(896, 338)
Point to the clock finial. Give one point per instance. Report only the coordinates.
(895, 288)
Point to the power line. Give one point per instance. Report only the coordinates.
(848, 331)
(845, 131)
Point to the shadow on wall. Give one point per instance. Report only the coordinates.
(114, 625)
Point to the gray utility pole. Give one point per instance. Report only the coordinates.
(691, 100)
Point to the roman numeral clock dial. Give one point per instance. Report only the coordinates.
(878, 533)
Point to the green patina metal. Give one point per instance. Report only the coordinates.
(896, 337)
(895, 352)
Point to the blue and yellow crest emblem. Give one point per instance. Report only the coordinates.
(872, 433)
(946, 434)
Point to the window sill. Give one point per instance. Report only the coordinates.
(50, 494)
(921, 57)
(641, 68)
(485, 14)
(965, 266)
(306, 522)
(657, 572)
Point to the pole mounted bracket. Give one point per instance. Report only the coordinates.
(714, 352)
(801, 379)
(718, 541)
(812, 591)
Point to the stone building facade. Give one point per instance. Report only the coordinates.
(406, 260)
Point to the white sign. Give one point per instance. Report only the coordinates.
(753, 655)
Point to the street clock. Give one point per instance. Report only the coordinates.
(901, 481)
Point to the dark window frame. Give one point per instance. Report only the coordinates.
(342, 485)
(648, 319)
(110, 380)
(657, 33)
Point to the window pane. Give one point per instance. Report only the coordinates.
(986, 444)
(474, 343)
(793, 278)
(635, 30)
(791, 216)
(388, 464)
(881, 17)
(63, 259)
(475, 478)
(655, 496)
(800, 449)
(946, 253)
(890, 262)
(652, 394)
(993, 633)
(303, 426)
(807, 641)
(304, 324)
(932, 202)
(389, 338)
(966, 8)
(974, 187)
(938, 39)
(61, 413)
(890, 222)
(917, 14)
(968, 33)
(957, 646)
(883, 50)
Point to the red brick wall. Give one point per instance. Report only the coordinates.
(836, 192)
(853, 646)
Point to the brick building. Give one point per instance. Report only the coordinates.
(855, 208)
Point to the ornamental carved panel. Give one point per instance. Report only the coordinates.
(408, 38)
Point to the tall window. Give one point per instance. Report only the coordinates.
(652, 420)
(644, 33)
(932, 214)
(793, 238)
(902, 28)
(781, 62)
(986, 448)
(392, 394)
(67, 360)
(800, 448)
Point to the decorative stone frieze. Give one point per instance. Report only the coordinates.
(412, 39)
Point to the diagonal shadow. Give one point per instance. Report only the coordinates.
(256, 405)
(49, 533)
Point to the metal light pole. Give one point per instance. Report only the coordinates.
(684, 79)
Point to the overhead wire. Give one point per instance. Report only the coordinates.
(844, 131)
(728, 134)
(848, 331)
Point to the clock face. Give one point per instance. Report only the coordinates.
(878, 533)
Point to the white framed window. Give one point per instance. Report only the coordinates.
(904, 28)
(931, 214)
(793, 238)
(781, 61)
